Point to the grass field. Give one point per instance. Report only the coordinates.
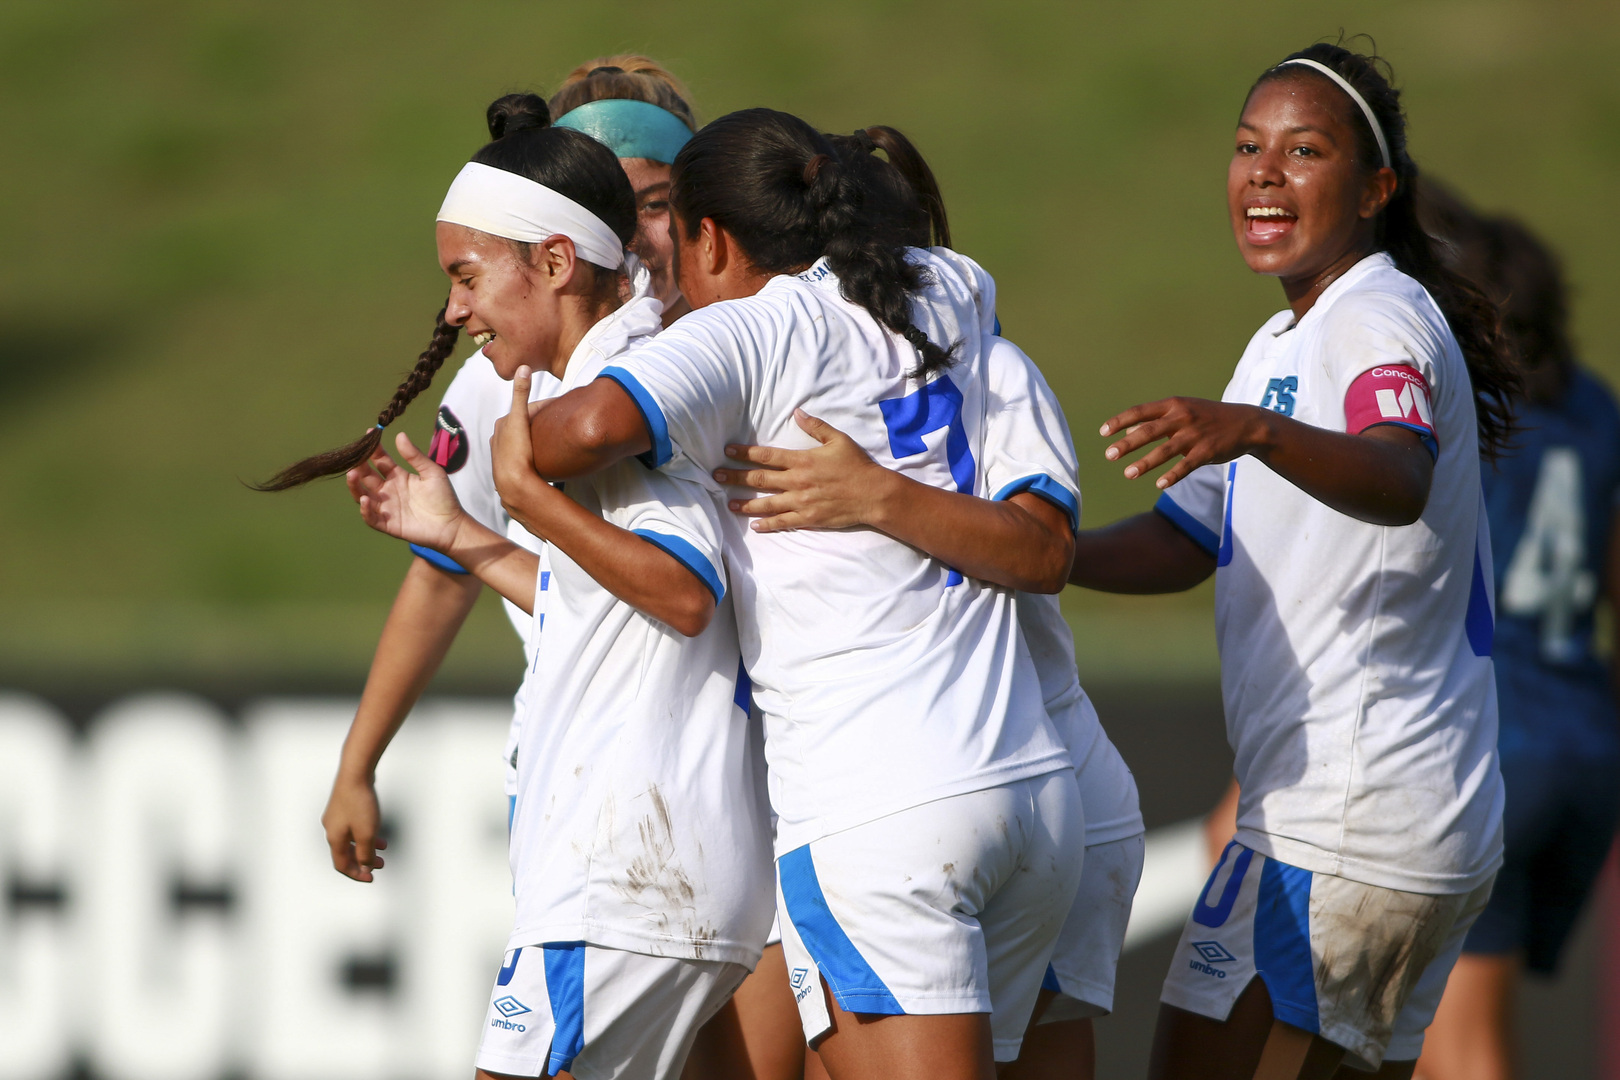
(219, 255)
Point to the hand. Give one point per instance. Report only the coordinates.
(512, 452)
(831, 486)
(350, 822)
(419, 507)
(1201, 432)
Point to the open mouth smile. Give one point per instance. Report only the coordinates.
(1268, 224)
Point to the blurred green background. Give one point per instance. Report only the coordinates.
(219, 257)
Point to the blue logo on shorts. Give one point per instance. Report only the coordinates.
(800, 980)
(1213, 952)
(510, 1006)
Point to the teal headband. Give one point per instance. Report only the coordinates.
(631, 129)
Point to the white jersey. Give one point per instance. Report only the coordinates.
(641, 821)
(885, 679)
(1355, 658)
(1029, 449)
(475, 399)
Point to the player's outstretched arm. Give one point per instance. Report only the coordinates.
(1023, 542)
(427, 615)
(585, 430)
(1139, 555)
(1380, 476)
(421, 507)
(637, 572)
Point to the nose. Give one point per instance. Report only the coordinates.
(458, 308)
(1265, 169)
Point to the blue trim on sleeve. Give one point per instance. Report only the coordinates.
(565, 987)
(1479, 623)
(1196, 530)
(1429, 442)
(1282, 944)
(651, 415)
(437, 559)
(688, 556)
(1225, 556)
(857, 987)
(1047, 488)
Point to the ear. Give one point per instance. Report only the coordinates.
(555, 261)
(1379, 190)
(714, 247)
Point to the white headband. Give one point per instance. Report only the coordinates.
(1366, 110)
(504, 204)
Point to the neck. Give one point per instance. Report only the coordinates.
(1303, 292)
(575, 322)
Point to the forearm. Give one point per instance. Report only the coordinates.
(1023, 543)
(586, 430)
(1140, 555)
(426, 616)
(496, 561)
(632, 569)
(1380, 476)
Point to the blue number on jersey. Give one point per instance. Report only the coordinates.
(1283, 390)
(925, 410)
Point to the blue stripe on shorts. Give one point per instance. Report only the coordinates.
(565, 986)
(1282, 944)
(853, 982)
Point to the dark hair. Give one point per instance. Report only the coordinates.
(627, 76)
(902, 188)
(1519, 273)
(781, 190)
(524, 143)
(1471, 315)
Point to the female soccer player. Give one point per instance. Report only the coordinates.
(928, 821)
(1335, 493)
(1552, 505)
(638, 109)
(837, 485)
(640, 846)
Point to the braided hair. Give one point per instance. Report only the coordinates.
(1473, 318)
(522, 142)
(784, 192)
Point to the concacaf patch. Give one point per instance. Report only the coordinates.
(449, 445)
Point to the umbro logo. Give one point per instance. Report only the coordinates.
(510, 1006)
(800, 978)
(1213, 952)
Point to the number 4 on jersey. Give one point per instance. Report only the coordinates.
(1548, 575)
(925, 410)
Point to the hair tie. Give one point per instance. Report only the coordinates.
(380, 427)
(812, 168)
(1344, 84)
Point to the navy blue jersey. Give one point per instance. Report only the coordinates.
(1551, 501)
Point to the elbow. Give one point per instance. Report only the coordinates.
(690, 611)
(1050, 572)
(1406, 506)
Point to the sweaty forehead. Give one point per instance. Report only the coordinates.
(1298, 100)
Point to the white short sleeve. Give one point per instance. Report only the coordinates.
(1197, 506)
(691, 382)
(1027, 441)
(677, 516)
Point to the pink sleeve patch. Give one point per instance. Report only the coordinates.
(1389, 394)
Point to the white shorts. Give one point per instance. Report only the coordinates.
(1087, 955)
(599, 1012)
(948, 907)
(1361, 966)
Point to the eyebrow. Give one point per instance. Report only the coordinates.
(1296, 130)
(654, 186)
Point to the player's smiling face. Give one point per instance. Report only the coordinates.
(1302, 204)
(496, 300)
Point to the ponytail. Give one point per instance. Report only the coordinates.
(344, 458)
(788, 197)
(1474, 320)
